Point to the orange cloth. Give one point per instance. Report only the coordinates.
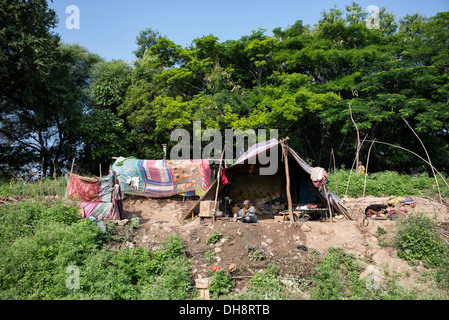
(244, 210)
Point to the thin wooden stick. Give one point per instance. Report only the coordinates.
(366, 170)
(350, 172)
(73, 162)
(357, 130)
(428, 157)
(335, 171)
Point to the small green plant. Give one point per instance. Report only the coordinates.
(221, 283)
(381, 236)
(209, 256)
(134, 222)
(214, 237)
(255, 253)
(381, 231)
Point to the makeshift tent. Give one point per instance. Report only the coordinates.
(97, 197)
(162, 178)
(246, 183)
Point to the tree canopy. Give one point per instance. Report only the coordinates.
(60, 101)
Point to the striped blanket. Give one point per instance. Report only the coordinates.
(161, 178)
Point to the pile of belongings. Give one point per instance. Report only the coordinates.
(394, 201)
(395, 206)
(380, 212)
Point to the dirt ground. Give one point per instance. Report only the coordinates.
(283, 243)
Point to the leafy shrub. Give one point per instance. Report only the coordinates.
(221, 283)
(337, 277)
(267, 285)
(417, 239)
(19, 219)
(41, 240)
(173, 246)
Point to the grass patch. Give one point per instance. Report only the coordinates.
(386, 183)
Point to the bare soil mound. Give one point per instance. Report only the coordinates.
(251, 247)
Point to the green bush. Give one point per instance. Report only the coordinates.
(42, 242)
(221, 283)
(19, 219)
(267, 285)
(417, 239)
(336, 277)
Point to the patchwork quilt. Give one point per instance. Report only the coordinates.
(162, 178)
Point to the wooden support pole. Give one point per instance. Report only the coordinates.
(218, 183)
(287, 175)
(328, 202)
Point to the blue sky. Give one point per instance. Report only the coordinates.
(109, 27)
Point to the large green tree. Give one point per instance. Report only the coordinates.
(43, 88)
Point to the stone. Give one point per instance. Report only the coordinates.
(218, 250)
(201, 283)
(122, 222)
(232, 267)
(269, 241)
(305, 228)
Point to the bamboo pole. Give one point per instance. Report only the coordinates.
(428, 157)
(366, 169)
(358, 133)
(350, 172)
(335, 171)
